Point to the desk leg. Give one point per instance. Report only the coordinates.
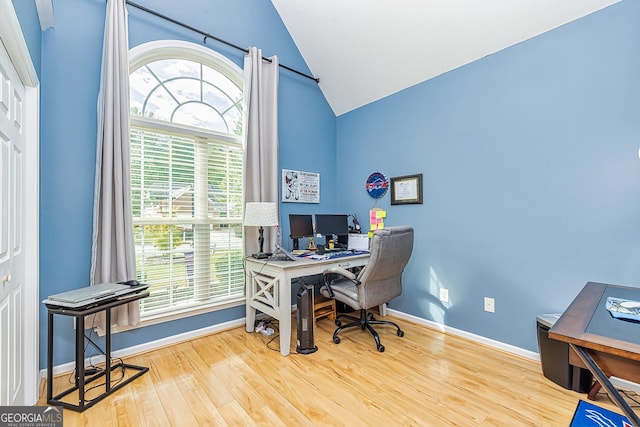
(604, 382)
(594, 390)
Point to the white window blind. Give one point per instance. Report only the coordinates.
(187, 209)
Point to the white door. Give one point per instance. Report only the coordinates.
(12, 265)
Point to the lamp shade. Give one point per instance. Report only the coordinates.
(261, 214)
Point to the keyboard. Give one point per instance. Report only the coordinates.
(332, 255)
(341, 254)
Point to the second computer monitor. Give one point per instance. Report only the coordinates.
(332, 224)
(301, 225)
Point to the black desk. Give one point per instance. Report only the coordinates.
(80, 381)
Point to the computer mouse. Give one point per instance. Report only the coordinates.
(131, 283)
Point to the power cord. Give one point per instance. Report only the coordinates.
(270, 339)
(273, 325)
(631, 397)
(93, 370)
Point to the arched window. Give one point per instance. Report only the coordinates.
(186, 177)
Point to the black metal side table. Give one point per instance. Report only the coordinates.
(80, 380)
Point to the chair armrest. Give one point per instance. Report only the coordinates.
(341, 271)
(327, 284)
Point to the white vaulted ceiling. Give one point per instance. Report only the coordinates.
(364, 50)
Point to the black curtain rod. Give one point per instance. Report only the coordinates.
(209, 36)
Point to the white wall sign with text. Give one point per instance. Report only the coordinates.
(300, 187)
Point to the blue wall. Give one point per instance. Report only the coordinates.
(531, 175)
(71, 55)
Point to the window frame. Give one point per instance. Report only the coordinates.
(176, 49)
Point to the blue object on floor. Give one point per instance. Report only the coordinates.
(590, 415)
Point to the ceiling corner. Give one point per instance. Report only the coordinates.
(45, 13)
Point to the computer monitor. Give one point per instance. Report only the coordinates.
(330, 224)
(301, 225)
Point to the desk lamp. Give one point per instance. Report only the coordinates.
(261, 214)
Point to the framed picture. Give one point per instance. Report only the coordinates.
(406, 190)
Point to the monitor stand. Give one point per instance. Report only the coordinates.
(296, 243)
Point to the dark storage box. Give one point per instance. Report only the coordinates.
(554, 358)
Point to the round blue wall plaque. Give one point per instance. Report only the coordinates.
(377, 185)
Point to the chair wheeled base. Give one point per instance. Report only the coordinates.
(364, 321)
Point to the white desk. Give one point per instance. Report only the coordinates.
(268, 286)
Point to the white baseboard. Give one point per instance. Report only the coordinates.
(624, 384)
(464, 334)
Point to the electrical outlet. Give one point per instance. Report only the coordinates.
(489, 305)
(444, 295)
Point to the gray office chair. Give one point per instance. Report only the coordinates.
(377, 283)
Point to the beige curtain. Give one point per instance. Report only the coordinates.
(113, 251)
(261, 140)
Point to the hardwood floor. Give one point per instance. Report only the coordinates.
(425, 378)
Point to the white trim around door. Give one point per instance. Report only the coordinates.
(13, 39)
